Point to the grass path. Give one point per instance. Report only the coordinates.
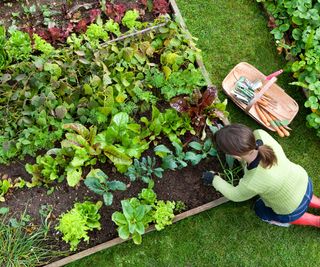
(230, 235)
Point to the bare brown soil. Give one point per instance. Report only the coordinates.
(184, 185)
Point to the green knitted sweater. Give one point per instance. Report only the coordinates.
(281, 187)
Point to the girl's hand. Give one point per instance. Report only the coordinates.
(207, 177)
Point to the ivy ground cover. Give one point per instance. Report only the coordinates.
(98, 120)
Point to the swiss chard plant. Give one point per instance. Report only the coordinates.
(97, 182)
(144, 170)
(169, 123)
(121, 141)
(77, 150)
(76, 223)
(81, 149)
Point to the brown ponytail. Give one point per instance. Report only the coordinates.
(238, 140)
(267, 155)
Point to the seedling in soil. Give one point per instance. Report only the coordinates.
(180, 207)
(230, 173)
(202, 151)
(170, 160)
(4, 188)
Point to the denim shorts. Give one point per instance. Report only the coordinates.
(267, 214)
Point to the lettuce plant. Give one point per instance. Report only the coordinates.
(169, 123)
(42, 45)
(113, 27)
(130, 19)
(163, 214)
(4, 60)
(19, 46)
(161, 7)
(95, 33)
(172, 82)
(138, 213)
(97, 182)
(121, 141)
(148, 196)
(75, 224)
(46, 170)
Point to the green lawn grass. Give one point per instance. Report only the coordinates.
(231, 235)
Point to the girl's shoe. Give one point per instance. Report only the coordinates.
(308, 219)
(278, 223)
(315, 202)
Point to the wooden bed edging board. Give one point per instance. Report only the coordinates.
(183, 25)
(200, 63)
(118, 240)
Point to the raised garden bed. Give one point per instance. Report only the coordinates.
(175, 185)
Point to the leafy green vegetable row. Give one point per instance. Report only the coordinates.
(136, 216)
(43, 87)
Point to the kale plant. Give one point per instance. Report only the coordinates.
(144, 169)
(97, 181)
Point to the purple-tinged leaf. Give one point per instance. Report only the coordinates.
(208, 97)
(77, 127)
(180, 104)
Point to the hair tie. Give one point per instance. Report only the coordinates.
(258, 143)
